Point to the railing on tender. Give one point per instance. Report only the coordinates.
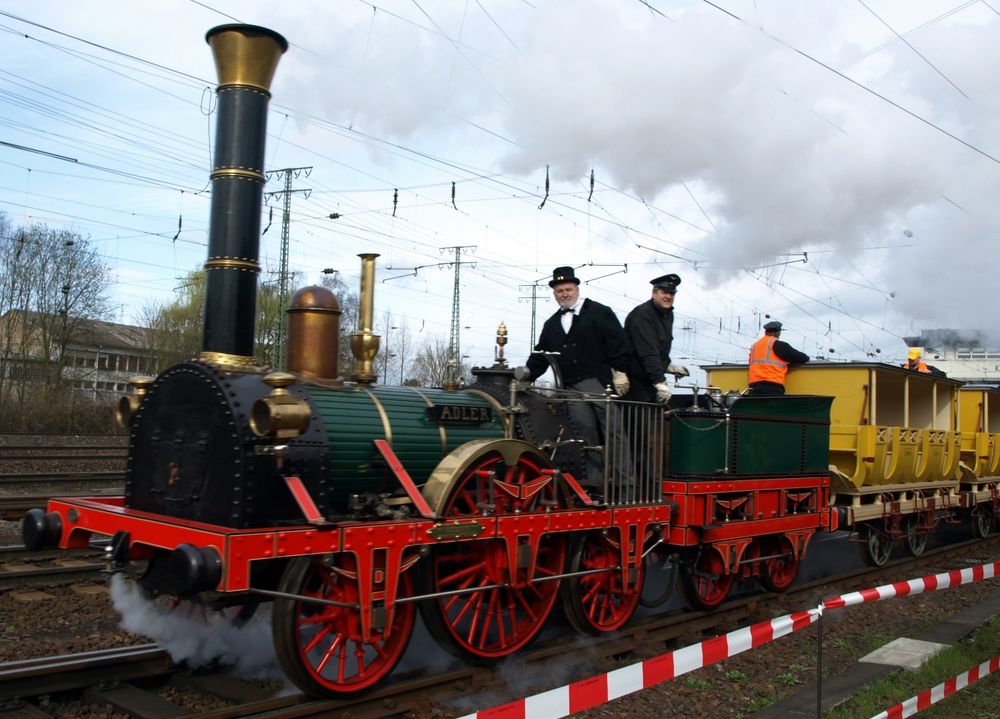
(632, 450)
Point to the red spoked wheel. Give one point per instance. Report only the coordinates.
(320, 646)
(597, 603)
(777, 573)
(703, 581)
(493, 614)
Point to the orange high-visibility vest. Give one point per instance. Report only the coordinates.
(921, 367)
(765, 366)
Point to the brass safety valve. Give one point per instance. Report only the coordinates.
(129, 404)
(281, 414)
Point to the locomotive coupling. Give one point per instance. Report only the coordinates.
(280, 415)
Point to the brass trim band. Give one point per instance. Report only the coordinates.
(504, 420)
(441, 430)
(232, 263)
(386, 425)
(238, 173)
(244, 85)
(231, 363)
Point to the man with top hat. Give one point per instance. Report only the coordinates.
(591, 355)
(649, 329)
(770, 359)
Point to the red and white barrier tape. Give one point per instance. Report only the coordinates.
(945, 689)
(601, 689)
(954, 578)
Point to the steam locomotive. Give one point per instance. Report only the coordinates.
(349, 506)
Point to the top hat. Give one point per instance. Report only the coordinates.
(667, 283)
(563, 274)
(773, 326)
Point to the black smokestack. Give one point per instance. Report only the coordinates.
(246, 57)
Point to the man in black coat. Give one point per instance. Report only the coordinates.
(649, 329)
(592, 355)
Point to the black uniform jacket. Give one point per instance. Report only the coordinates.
(594, 345)
(788, 353)
(650, 333)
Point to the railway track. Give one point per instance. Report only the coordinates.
(13, 506)
(421, 692)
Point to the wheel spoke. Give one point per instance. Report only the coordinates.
(488, 624)
(323, 650)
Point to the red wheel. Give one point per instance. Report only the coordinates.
(778, 573)
(320, 646)
(597, 603)
(487, 624)
(703, 581)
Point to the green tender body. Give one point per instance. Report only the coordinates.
(352, 420)
(764, 436)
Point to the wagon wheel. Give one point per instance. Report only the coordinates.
(777, 574)
(916, 540)
(875, 547)
(703, 581)
(498, 616)
(596, 603)
(982, 523)
(320, 646)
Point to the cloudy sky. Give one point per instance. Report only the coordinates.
(829, 164)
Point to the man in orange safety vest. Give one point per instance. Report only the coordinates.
(769, 362)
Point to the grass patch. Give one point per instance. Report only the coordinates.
(976, 702)
(736, 676)
(696, 683)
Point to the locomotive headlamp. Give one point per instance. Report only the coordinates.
(129, 405)
(280, 415)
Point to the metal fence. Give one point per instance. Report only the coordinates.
(630, 449)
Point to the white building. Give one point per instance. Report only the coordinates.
(969, 355)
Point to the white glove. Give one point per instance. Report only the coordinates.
(620, 381)
(677, 370)
(663, 392)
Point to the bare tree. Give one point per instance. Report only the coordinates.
(175, 329)
(348, 318)
(430, 366)
(51, 282)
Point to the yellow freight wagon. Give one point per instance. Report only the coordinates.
(979, 422)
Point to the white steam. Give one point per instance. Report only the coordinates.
(196, 637)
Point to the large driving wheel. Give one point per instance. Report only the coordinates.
(916, 539)
(778, 572)
(703, 581)
(599, 602)
(492, 611)
(875, 546)
(321, 646)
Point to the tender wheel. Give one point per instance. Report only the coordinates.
(982, 524)
(320, 646)
(659, 579)
(777, 574)
(916, 541)
(875, 547)
(703, 583)
(487, 624)
(597, 603)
